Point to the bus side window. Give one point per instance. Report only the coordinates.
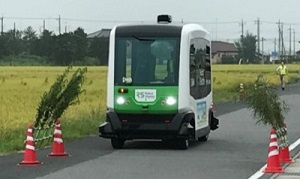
(200, 72)
(193, 73)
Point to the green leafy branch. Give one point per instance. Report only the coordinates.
(262, 98)
(61, 95)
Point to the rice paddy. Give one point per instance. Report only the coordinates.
(21, 89)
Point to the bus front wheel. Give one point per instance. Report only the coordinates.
(203, 138)
(183, 144)
(117, 143)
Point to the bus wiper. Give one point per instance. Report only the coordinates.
(143, 39)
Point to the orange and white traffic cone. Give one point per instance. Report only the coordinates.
(284, 153)
(273, 164)
(58, 148)
(29, 158)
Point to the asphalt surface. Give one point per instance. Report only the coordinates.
(237, 149)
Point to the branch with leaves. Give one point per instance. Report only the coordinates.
(61, 95)
(266, 106)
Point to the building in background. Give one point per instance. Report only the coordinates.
(103, 33)
(223, 52)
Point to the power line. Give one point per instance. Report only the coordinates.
(218, 25)
(30, 18)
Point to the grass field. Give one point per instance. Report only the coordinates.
(22, 87)
(20, 93)
(227, 78)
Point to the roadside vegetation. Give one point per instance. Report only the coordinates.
(21, 91)
(22, 88)
(227, 78)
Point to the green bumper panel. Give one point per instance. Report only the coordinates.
(146, 99)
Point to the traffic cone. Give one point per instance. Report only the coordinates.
(58, 148)
(284, 153)
(29, 158)
(273, 164)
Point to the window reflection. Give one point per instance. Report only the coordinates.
(200, 68)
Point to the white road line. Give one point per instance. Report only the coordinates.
(294, 145)
(260, 173)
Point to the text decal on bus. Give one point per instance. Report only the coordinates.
(145, 95)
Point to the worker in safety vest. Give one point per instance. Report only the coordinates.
(282, 70)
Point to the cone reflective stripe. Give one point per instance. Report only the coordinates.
(58, 148)
(58, 140)
(273, 164)
(29, 158)
(284, 153)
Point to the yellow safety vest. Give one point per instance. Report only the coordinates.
(282, 70)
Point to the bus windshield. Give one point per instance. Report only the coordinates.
(146, 61)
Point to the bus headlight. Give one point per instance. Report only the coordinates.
(120, 100)
(171, 100)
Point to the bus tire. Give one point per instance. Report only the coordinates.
(203, 138)
(117, 143)
(183, 144)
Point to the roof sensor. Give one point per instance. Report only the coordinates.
(164, 19)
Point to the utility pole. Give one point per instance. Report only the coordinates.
(14, 29)
(242, 37)
(44, 25)
(279, 42)
(59, 25)
(258, 36)
(262, 48)
(2, 25)
(290, 47)
(216, 29)
(242, 24)
(275, 45)
(282, 42)
(294, 43)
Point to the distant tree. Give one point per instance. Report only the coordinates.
(64, 50)
(29, 38)
(247, 47)
(14, 43)
(3, 47)
(69, 47)
(98, 48)
(80, 40)
(45, 43)
(11, 43)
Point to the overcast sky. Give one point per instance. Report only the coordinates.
(223, 18)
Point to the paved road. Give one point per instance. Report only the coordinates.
(235, 151)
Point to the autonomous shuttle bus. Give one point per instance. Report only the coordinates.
(159, 84)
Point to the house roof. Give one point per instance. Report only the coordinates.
(99, 33)
(219, 46)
